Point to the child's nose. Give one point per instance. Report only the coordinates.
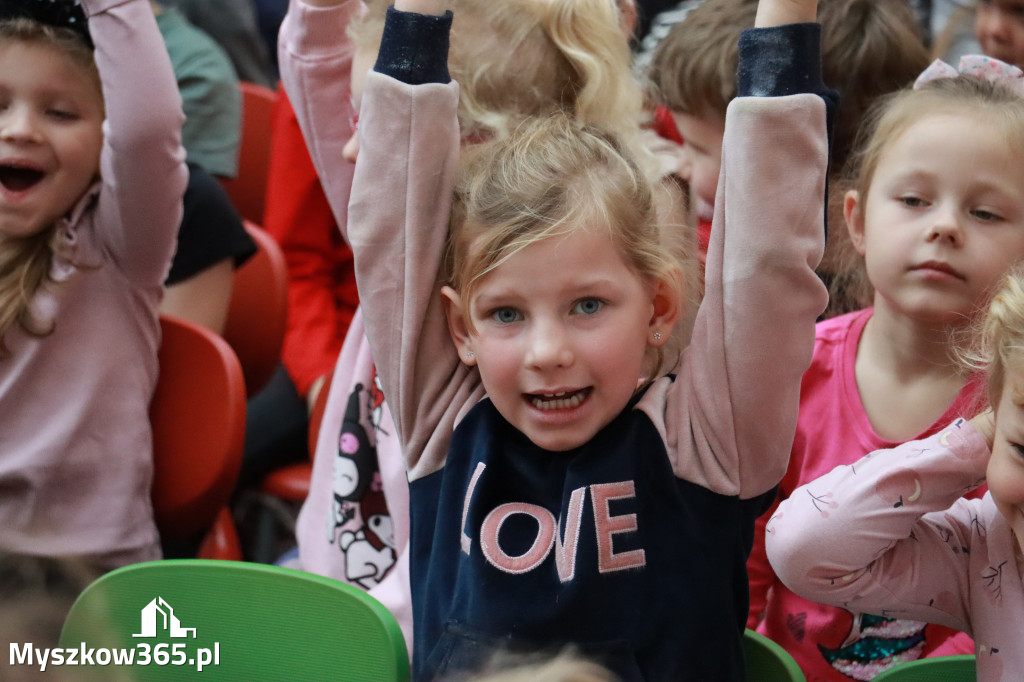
(549, 347)
(18, 125)
(945, 225)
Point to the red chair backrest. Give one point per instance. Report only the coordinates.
(198, 419)
(249, 187)
(258, 313)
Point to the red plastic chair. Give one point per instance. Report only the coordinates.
(249, 187)
(258, 312)
(198, 420)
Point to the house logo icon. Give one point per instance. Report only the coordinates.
(158, 614)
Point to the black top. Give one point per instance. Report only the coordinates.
(211, 229)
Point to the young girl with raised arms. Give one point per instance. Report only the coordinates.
(564, 488)
(91, 179)
(354, 523)
(938, 215)
(893, 534)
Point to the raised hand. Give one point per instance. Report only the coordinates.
(779, 12)
(422, 6)
(986, 425)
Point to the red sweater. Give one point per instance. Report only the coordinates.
(321, 282)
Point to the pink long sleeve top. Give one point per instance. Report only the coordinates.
(75, 440)
(719, 429)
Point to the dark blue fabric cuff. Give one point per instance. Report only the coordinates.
(785, 60)
(778, 61)
(414, 47)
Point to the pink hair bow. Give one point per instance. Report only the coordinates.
(977, 65)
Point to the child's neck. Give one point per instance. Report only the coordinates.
(906, 375)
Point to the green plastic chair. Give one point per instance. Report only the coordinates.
(234, 621)
(937, 669)
(767, 661)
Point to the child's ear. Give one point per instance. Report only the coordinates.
(853, 211)
(667, 301)
(457, 326)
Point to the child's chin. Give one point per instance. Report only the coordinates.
(559, 440)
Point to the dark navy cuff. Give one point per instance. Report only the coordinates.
(779, 61)
(414, 47)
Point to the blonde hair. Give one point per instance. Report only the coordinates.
(567, 666)
(550, 176)
(893, 115)
(998, 338)
(25, 261)
(520, 58)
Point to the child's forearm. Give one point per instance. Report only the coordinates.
(421, 6)
(781, 12)
(142, 163)
(315, 58)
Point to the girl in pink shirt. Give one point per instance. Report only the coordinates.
(892, 534)
(91, 180)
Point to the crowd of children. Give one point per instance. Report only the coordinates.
(596, 400)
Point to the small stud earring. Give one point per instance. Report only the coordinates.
(470, 355)
(657, 336)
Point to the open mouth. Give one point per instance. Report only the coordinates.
(564, 400)
(19, 178)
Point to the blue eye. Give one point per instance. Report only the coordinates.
(588, 306)
(506, 315)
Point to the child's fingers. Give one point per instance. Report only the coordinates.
(985, 423)
(779, 12)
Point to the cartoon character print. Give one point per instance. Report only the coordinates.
(360, 523)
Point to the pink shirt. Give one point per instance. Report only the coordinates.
(75, 441)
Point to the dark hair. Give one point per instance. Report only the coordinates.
(59, 13)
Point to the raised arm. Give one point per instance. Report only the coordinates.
(398, 223)
(738, 388)
(780, 12)
(142, 162)
(436, 7)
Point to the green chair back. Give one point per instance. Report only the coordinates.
(937, 669)
(235, 620)
(767, 661)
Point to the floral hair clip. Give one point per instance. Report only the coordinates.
(60, 13)
(980, 66)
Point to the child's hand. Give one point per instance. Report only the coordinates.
(779, 12)
(985, 423)
(421, 6)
